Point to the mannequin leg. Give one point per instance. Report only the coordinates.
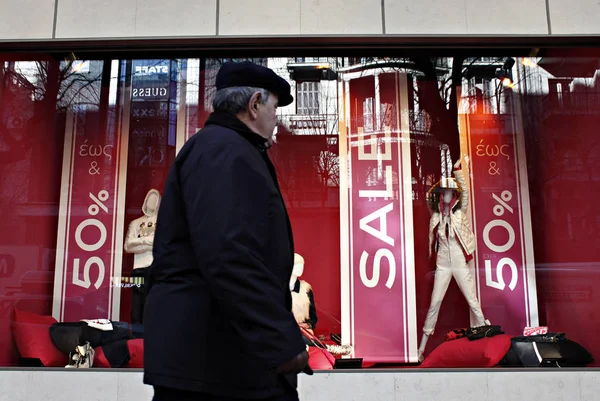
(443, 275)
(465, 282)
(423, 346)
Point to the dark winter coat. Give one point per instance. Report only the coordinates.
(218, 314)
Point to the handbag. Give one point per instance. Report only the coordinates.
(319, 357)
(476, 333)
(542, 338)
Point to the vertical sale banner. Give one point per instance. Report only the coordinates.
(504, 262)
(378, 283)
(90, 233)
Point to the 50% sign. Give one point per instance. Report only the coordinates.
(98, 203)
(499, 209)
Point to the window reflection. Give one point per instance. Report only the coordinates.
(390, 126)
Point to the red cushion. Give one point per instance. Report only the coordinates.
(32, 336)
(136, 350)
(317, 360)
(463, 353)
(136, 353)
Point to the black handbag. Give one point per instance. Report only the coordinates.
(477, 333)
(563, 354)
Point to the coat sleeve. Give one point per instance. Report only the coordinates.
(226, 195)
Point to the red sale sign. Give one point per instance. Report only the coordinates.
(90, 233)
(378, 283)
(501, 218)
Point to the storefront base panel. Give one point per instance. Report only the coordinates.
(414, 385)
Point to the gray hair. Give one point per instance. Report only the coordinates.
(235, 99)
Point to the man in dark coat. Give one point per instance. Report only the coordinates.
(218, 320)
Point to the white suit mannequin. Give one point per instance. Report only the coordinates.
(139, 241)
(452, 239)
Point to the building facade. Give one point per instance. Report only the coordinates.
(96, 99)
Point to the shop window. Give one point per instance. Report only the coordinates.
(367, 166)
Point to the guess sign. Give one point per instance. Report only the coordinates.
(150, 93)
(151, 80)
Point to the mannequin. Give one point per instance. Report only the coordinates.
(303, 306)
(303, 301)
(139, 241)
(452, 239)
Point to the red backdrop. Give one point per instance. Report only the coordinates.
(563, 154)
(31, 137)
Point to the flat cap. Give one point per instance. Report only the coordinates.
(246, 73)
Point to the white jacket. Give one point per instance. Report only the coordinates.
(140, 234)
(459, 221)
(301, 302)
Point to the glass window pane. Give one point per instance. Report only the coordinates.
(408, 181)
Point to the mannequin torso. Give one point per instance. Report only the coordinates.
(140, 235)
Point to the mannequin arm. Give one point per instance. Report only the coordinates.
(460, 178)
(430, 243)
(133, 244)
(432, 226)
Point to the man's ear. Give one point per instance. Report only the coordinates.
(253, 104)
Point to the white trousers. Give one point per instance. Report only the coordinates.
(450, 263)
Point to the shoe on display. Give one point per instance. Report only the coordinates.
(340, 349)
(83, 357)
(73, 360)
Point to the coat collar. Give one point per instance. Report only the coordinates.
(232, 122)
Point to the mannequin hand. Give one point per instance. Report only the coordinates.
(457, 164)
